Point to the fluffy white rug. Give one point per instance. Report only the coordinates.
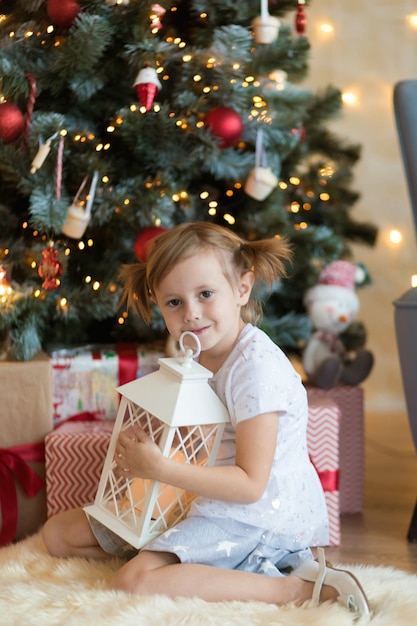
(36, 588)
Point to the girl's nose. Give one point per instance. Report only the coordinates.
(191, 312)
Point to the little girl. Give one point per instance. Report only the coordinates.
(259, 508)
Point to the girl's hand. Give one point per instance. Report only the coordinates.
(137, 455)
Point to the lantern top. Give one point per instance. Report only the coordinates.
(178, 393)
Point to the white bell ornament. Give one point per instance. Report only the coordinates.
(261, 180)
(260, 183)
(265, 26)
(78, 217)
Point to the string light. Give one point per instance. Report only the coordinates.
(5, 288)
(412, 20)
(327, 28)
(349, 98)
(395, 236)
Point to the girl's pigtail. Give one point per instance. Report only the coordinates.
(267, 258)
(135, 289)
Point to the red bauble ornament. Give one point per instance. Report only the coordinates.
(143, 242)
(50, 268)
(12, 122)
(226, 124)
(62, 12)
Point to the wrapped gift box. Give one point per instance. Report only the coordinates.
(22, 491)
(323, 446)
(26, 401)
(74, 456)
(85, 379)
(26, 416)
(352, 447)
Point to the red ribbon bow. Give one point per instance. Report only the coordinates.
(13, 465)
(329, 478)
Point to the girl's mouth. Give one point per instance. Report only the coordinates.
(198, 331)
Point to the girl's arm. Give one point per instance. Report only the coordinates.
(243, 482)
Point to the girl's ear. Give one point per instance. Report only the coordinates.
(247, 280)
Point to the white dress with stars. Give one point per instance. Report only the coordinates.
(273, 533)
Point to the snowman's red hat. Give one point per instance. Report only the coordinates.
(339, 273)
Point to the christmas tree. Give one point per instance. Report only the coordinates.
(121, 118)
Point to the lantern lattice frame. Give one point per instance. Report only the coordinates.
(164, 404)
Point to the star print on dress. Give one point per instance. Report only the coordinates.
(177, 549)
(226, 546)
(169, 532)
(266, 566)
(255, 556)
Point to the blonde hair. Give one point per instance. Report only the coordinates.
(265, 258)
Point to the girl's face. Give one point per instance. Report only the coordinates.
(196, 296)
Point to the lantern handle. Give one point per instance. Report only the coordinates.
(188, 353)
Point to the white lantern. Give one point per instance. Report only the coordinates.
(76, 221)
(260, 182)
(265, 26)
(78, 218)
(265, 29)
(182, 414)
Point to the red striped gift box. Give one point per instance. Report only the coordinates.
(323, 446)
(74, 457)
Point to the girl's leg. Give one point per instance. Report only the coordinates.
(162, 573)
(69, 534)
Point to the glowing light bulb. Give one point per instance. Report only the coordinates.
(412, 20)
(349, 98)
(327, 28)
(395, 236)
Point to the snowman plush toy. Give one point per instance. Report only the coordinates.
(332, 305)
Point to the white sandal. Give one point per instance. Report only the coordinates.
(350, 592)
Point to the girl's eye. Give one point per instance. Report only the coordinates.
(206, 293)
(174, 302)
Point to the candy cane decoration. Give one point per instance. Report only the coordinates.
(59, 162)
(260, 156)
(30, 107)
